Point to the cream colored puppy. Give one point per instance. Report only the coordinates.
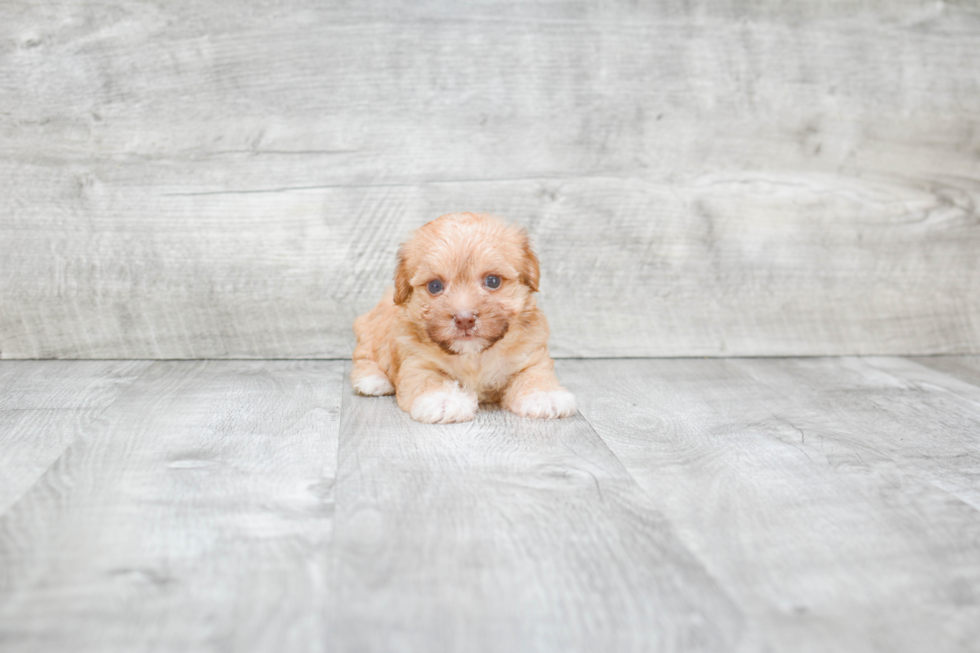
(461, 326)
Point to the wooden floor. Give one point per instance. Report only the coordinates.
(827, 504)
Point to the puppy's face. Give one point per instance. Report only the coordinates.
(464, 278)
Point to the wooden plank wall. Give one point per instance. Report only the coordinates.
(719, 177)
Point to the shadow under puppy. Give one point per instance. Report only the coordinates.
(461, 326)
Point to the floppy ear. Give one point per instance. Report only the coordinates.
(531, 271)
(403, 277)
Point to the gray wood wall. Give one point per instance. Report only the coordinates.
(184, 179)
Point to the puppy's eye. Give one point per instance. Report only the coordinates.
(492, 282)
(435, 287)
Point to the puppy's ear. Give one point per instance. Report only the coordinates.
(531, 270)
(403, 277)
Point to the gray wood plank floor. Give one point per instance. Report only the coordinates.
(828, 504)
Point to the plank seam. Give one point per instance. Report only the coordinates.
(908, 468)
(78, 436)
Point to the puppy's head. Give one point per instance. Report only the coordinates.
(464, 278)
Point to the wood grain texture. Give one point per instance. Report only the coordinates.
(965, 368)
(194, 515)
(833, 499)
(44, 407)
(187, 180)
(507, 534)
(696, 505)
(920, 421)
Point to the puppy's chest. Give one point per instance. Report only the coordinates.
(487, 373)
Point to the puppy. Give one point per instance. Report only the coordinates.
(461, 326)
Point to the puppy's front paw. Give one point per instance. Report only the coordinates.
(546, 404)
(374, 385)
(452, 404)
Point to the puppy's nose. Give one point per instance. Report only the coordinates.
(464, 320)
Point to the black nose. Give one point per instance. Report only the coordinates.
(464, 320)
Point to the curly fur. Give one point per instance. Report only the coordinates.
(420, 346)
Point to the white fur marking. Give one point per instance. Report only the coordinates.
(374, 385)
(452, 404)
(546, 405)
(468, 347)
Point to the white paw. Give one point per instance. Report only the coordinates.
(453, 404)
(374, 385)
(546, 405)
